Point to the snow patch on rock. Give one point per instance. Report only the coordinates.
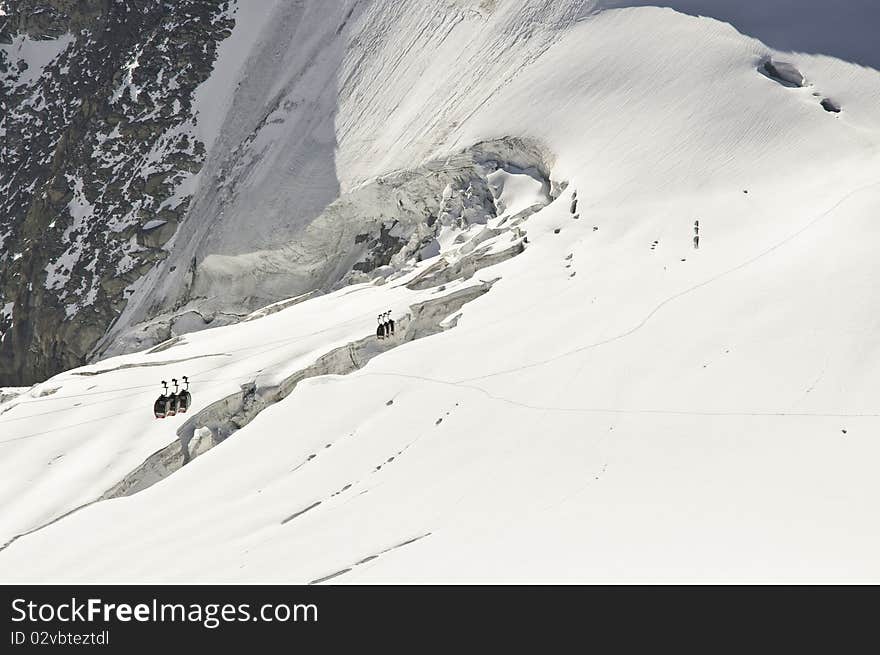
(31, 56)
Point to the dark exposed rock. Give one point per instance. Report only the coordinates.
(783, 72)
(77, 185)
(829, 105)
(381, 249)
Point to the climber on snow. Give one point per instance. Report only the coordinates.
(172, 400)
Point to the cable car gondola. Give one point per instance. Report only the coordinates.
(173, 399)
(163, 403)
(184, 398)
(387, 324)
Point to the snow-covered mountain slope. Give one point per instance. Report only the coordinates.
(606, 402)
(155, 192)
(96, 141)
(327, 98)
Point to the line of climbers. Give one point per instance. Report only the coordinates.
(169, 404)
(386, 325)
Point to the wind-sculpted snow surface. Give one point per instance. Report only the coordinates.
(448, 205)
(673, 379)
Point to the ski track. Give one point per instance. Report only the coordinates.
(367, 559)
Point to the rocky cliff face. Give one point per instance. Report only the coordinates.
(169, 166)
(95, 143)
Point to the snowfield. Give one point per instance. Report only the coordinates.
(610, 405)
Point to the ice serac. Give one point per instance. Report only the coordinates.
(370, 232)
(303, 163)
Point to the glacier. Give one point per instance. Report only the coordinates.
(575, 394)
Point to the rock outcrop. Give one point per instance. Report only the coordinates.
(96, 104)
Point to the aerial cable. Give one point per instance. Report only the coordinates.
(73, 425)
(15, 403)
